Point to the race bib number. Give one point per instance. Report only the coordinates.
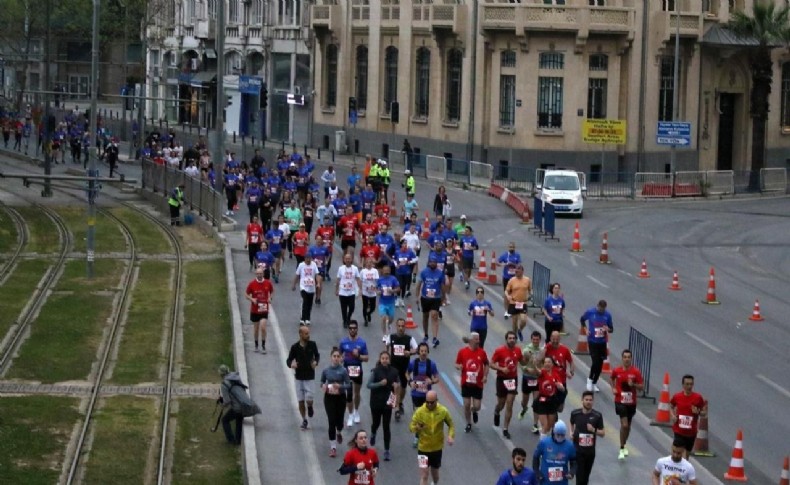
(685, 421)
(627, 397)
(440, 266)
(254, 239)
(348, 286)
(263, 307)
(556, 474)
(585, 439)
(348, 232)
(253, 199)
(403, 261)
(333, 389)
(467, 247)
(383, 247)
(532, 382)
(275, 240)
(430, 293)
(422, 461)
(471, 377)
(362, 477)
(308, 213)
(480, 311)
(399, 350)
(386, 290)
(511, 271)
(600, 332)
(354, 370)
(519, 305)
(309, 281)
(510, 384)
(450, 259)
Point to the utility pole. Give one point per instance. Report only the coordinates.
(93, 150)
(141, 100)
(46, 143)
(675, 98)
(218, 147)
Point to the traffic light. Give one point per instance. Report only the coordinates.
(264, 97)
(394, 112)
(352, 104)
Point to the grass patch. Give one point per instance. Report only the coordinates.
(64, 339)
(207, 330)
(194, 241)
(8, 233)
(203, 457)
(16, 291)
(125, 420)
(140, 356)
(43, 233)
(148, 237)
(106, 276)
(34, 432)
(109, 237)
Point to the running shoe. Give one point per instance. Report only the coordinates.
(276, 278)
(496, 419)
(414, 442)
(307, 322)
(357, 419)
(332, 452)
(425, 338)
(622, 454)
(535, 429)
(522, 413)
(435, 342)
(317, 301)
(474, 417)
(625, 450)
(372, 440)
(506, 315)
(506, 433)
(468, 428)
(304, 424)
(310, 411)
(520, 336)
(350, 420)
(263, 350)
(386, 455)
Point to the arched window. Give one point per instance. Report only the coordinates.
(331, 75)
(423, 86)
(455, 63)
(232, 63)
(362, 78)
(390, 77)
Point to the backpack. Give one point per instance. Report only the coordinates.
(241, 401)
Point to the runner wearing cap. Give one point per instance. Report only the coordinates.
(555, 457)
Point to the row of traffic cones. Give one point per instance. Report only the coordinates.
(737, 472)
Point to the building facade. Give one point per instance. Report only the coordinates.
(510, 82)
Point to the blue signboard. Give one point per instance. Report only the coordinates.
(677, 133)
(250, 84)
(353, 117)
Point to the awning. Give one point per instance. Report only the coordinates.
(201, 78)
(718, 36)
(211, 53)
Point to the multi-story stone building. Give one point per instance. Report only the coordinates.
(510, 82)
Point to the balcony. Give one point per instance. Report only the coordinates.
(360, 17)
(390, 18)
(616, 18)
(326, 17)
(439, 18)
(664, 25)
(204, 29)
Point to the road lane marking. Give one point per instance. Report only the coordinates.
(596, 281)
(573, 260)
(703, 342)
(776, 386)
(648, 310)
(451, 386)
(489, 241)
(512, 231)
(625, 272)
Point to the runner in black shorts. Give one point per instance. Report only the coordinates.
(401, 347)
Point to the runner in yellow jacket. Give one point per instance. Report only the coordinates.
(428, 423)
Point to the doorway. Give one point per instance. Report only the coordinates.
(726, 130)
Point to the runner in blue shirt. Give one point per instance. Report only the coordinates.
(448, 234)
(429, 287)
(320, 255)
(340, 203)
(436, 236)
(404, 259)
(509, 261)
(290, 185)
(386, 242)
(355, 352)
(553, 310)
(519, 474)
(282, 165)
(355, 200)
(368, 200)
(479, 309)
(468, 247)
(555, 457)
(352, 180)
(388, 289)
(598, 324)
(254, 194)
(266, 258)
(274, 238)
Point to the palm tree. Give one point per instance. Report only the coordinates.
(768, 27)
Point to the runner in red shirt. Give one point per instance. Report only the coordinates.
(382, 217)
(685, 408)
(368, 228)
(505, 362)
(361, 461)
(348, 225)
(327, 233)
(382, 210)
(626, 381)
(563, 362)
(472, 361)
(254, 238)
(301, 241)
(260, 293)
(549, 386)
(370, 250)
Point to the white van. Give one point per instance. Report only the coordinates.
(563, 188)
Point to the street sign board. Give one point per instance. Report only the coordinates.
(353, 117)
(603, 131)
(296, 99)
(677, 133)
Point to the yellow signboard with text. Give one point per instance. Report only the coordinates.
(608, 132)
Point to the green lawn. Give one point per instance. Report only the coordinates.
(8, 233)
(16, 291)
(43, 236)
(148, 237)
(108, 236)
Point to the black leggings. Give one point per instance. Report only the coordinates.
(253, 249)
(335, 406)
(232, 200)
(368, 307)
(556, 325)
(307, 304)
(584, 464)
(254, 210)
(380, 415)
(308, 224)
(347, 304)
(404, 280)
(598, 355)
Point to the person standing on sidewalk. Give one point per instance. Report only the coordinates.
(335, 383)
(685, 408)
(303, 358)
(586, 427)
(174, 202)
(307, 277)
(597, 323)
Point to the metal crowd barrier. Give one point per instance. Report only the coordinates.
(773, 179)
(642, 351)
(199, 195)
(690, 183)
(720, 182)
(480, 174)
(653, 184)
(541, 279)
(435, 168)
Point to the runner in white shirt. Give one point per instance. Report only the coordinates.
(412, 238)
(369, 276)
(347, 287)
(674, 469)
(306, 276)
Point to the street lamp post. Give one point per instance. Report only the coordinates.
(675, 98)
(93, 150)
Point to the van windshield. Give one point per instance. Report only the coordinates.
(561, 182)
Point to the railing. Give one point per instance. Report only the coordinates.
(773, 179)
(435, 168)
(653, 184)
(720, 182)
(199, 196)
(480, 174)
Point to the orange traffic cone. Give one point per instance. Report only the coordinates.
(756, 317)
(675, 282)
(582, 348)
(576, 247)
(736, 471)
(393, 206)
(481, 270)
(492, 269)
(701, 442)
(710, 298)
(426, 227)
(607, 366)
(662, 413)
(643, 271)
(410, 318)
(604, 257)
(783, 478)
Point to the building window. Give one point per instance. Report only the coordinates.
(390, 77)
(597, 3)
(189, 11)
(257, 12)
(508, 58)
(668, 5)
(551, 60)
(288, 12)
(785, 95)
(212, 9)
(596, 98)
(232, 63)
(362, 78)
(599, 62)
(666, 90)
(423, 82)
(507, 100)
(554, 2)
(550, 102)
(455, 64)
(331, 76)
(234, 12)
